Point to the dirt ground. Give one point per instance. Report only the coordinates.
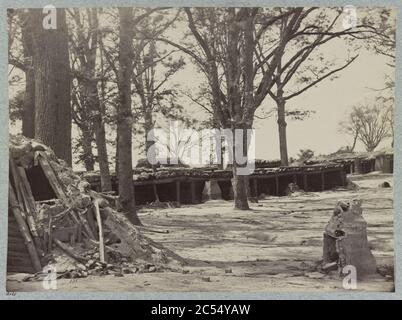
(274, 247)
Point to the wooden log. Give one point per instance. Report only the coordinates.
(16, 182)
(70, 251)
(30, 208)
(79, 219)
(100, 231)
(15, 208)
(148, 229)
(27, 191)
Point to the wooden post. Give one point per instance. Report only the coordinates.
(15, 208)
(255, 187)
(277, 185)
(343, 177)
(178, 193)
(193, 195)
(322, 181)
(295, 179)
(358, 166)
(305, 186)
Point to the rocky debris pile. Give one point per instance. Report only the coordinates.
(67, 225)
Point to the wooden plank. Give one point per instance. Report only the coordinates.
(24, 229)
(17, 182)
(28, 190)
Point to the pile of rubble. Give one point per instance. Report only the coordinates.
(67, 225)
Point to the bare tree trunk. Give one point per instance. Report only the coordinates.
(98, 108)
(240, 182)
(354, 141)
(52, 84)
(28, 113)
(283, 145)
(124, 116)
(150, 152)
(89, 160)
(148, 126)
(100, 137)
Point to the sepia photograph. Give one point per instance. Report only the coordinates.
(201, 149)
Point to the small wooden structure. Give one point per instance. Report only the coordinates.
(53, 212)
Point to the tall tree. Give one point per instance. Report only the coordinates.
(372, 123)
(89, 109)
(304, 66)
(124, 115)
(52, 83)
(225, 44)
(22, 59)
